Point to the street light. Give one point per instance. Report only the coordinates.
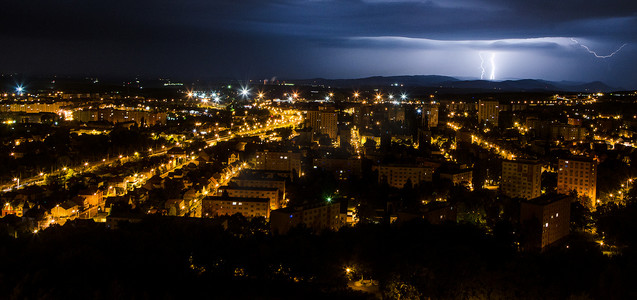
(245, 92)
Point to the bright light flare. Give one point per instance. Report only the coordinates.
(245, 92)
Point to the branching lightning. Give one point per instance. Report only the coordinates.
(595, 53)
(483, 70)
(481, 65)
(492, 77)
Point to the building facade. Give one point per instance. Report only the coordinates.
(323, 121)
(578, 174)
(521, 179)
(317, 217)
(430, 115)
(213, 206)
(143, 118)
(550, 212)
(459, 176)
(398, 175)
(488, 111)
(279, 161)
(271, 194)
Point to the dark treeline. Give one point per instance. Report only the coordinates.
(176, 258)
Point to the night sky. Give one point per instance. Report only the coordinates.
(249, 39)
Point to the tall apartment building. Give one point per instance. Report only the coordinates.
(552, 213)
(579, 174)
(362, 115)
(317, 217)
(212, 206)
(323, 121)
(397, 175)
(568, 132)
(279, 161)
(430, 115)
(521, 179)
(396, 113)
(488, 111)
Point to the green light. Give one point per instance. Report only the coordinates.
(329, 199)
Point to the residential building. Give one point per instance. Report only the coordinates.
(398, 175)
(430, 115)
(550, 212)
(458, 176)
(141, 117)
(223, 205)
(521, 178)
(279, 161)
(253, 192)
(434, 213)
(488, 111)
(316, 217)
(276, 182)
(578, 174)
(342, 167)
(568, 132)
(93, 196)
(323, 121)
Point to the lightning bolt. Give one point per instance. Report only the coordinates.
(595, 53)
(492, 77)
(481, 65)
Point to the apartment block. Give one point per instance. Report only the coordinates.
(578, 174)
(213, 206)
(552, 213)
(316, 217)
(279, 161)
(521, 179)
(488, 111)
(397, 175)
(253, 192)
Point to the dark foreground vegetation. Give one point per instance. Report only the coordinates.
(175, 258)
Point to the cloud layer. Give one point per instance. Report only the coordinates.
(330, 38)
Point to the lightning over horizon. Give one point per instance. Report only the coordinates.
(595, 53)
(492, 76)
(481, 65)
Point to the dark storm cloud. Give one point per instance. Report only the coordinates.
(293, 37)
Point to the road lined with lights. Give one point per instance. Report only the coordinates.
(288, 118)
(476, 139)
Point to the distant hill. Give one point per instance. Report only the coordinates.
(417, 80)
(451, 83)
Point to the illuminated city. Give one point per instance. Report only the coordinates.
(191, 150)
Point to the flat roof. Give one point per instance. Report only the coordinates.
(225, 187)
(546, 199)
(236, 199)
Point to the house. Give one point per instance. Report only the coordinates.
(94, 197)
